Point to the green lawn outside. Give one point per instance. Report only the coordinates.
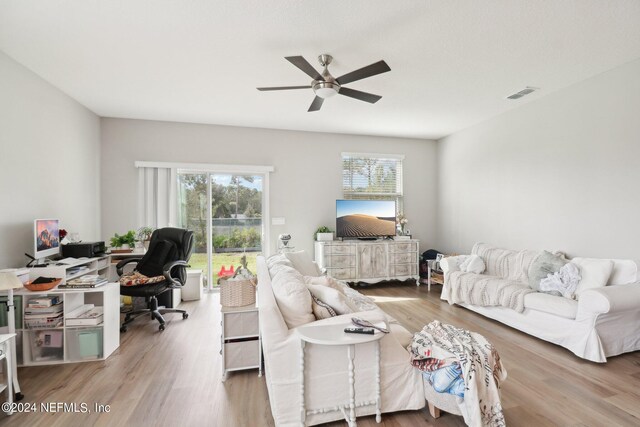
(199, 261)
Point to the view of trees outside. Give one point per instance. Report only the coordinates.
(236, 208)
(368, 175)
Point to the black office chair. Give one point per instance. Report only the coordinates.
(168, 254)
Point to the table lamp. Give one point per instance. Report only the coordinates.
(8, 282)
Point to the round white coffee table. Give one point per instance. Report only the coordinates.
(335, 335)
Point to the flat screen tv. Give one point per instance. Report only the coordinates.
(46, 238)
(365, 218)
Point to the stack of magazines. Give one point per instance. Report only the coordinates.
(87, 281)
(44, 312)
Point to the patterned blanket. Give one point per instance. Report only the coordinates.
(479, 362)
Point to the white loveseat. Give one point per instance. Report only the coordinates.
(326, 377)
(603, 322)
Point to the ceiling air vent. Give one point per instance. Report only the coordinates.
(523, 92)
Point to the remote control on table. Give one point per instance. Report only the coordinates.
(367, 331)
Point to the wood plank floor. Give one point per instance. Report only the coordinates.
(173, 378)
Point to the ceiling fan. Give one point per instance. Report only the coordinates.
(325, 85)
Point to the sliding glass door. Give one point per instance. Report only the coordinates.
(225, 211)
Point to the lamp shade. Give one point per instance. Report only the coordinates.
(9, 281)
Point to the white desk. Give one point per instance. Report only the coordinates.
(335, 335)
(5, 354)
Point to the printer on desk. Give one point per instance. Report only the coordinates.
(84, 249)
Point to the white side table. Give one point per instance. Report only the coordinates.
(335, 335)
(5, 354)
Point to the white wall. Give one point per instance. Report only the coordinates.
(49, 161)
(306, 182)
(560, 173)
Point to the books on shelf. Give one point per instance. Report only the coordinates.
(43, 312)
(54, 309)
(43, 302)
(87, 281)
(85, 315)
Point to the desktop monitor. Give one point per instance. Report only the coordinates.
(46, 238)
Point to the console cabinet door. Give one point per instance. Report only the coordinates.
(372, 261)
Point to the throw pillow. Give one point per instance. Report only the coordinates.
(321, 310)
(625, 271)
(546, 263)
(292, 296)
(473, 264)
(324, 281)
(339, 302)
(302, 262)
(595, 273)
(136, 278)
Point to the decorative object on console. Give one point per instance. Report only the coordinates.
(325, 85)
(402, 222)
(323, 233)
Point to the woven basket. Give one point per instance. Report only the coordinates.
(237, 292)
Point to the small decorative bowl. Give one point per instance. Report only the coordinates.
(40, 287)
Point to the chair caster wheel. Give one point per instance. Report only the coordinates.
(161, 327)
(185, 315)
(123, 329)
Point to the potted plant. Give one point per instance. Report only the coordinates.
(144, 235)
(323, 233)
(124, 242)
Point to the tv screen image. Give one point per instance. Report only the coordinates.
(47, 237)
(365, 218)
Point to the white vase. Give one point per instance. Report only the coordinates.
(324, 237)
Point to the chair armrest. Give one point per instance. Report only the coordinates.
(166, 271)
(452, 263)
(120, 265)
(610, 298)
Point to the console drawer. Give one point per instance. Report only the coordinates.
(400, 258)
(340, 249)
(341, 261)
(405, 270)
(404, 247)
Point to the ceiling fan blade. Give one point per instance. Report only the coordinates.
(362, 96)
(316, 104)
(284, 87)
(364, 72)
(302, 63)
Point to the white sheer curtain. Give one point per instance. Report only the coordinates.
(157, 192)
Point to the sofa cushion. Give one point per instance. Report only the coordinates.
(324, 281)
(625, 271)
(595, 273)
(302, 262)
(557, 305)
(545, 263)
(504, 263)
(278, 259)
(292, 296)
(473, 264)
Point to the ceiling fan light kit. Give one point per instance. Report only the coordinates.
(325, 85)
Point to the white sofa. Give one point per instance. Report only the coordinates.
(326, 367)
(603, 322)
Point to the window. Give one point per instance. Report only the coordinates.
(372, 176)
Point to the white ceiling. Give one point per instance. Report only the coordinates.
(452, 62)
